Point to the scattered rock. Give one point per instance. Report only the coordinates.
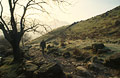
(83, 57)
(87, 59)
(113, 61)
(52, 50)
(81, 71)
(79, 58)
(49, 46)
(58, 53)
(97, 68)
(27, 56)
(39, 63)
(69, 75)
(97, 46)
(95, 59)
(77, 52)
(66, 55)
(21, 76)
(29, 69)
(27, 47)
(50, 70)
(63, 44)
(101, 51)
(56, 43)
(87, 48)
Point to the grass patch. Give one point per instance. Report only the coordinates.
(8, 70)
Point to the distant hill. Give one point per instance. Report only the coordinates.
(106, 25)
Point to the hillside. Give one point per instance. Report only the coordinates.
(85, 49)
(105, 26)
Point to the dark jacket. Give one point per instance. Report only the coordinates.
(43, 44)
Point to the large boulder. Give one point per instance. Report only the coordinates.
(83, 57)
(87, 59)
(83, 72)
(105, 50)
(66, 55)
(46, 70)
(96, 67)
(50, 70)
(97, 46)
(79, 58)
(113, 61)
(97, 60)
(63, 44)
(29, 69)
(87, 47)
(52, 50)
(49, 46)
(58, 53)
(21, 76)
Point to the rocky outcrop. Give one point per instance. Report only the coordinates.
(49, 70)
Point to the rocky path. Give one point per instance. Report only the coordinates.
(71, 66)
(68, 65)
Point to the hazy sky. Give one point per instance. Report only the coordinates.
(67, 14)
(78, 10)
(84, 9)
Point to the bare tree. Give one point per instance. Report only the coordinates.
(14, 32)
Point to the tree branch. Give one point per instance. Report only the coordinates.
(5, 32)
(32, 28)
(2, 18)
(14, 4)
(12, 8)
(21, 21)
(1, 9)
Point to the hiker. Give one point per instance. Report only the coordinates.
(43, 46)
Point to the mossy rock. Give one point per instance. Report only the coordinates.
(50, 70)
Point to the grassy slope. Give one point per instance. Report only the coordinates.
(106, 25)
(49, 36)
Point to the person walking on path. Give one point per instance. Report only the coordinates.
(43, 46)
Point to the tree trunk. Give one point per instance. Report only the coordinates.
(17, 54)
(13, 38)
